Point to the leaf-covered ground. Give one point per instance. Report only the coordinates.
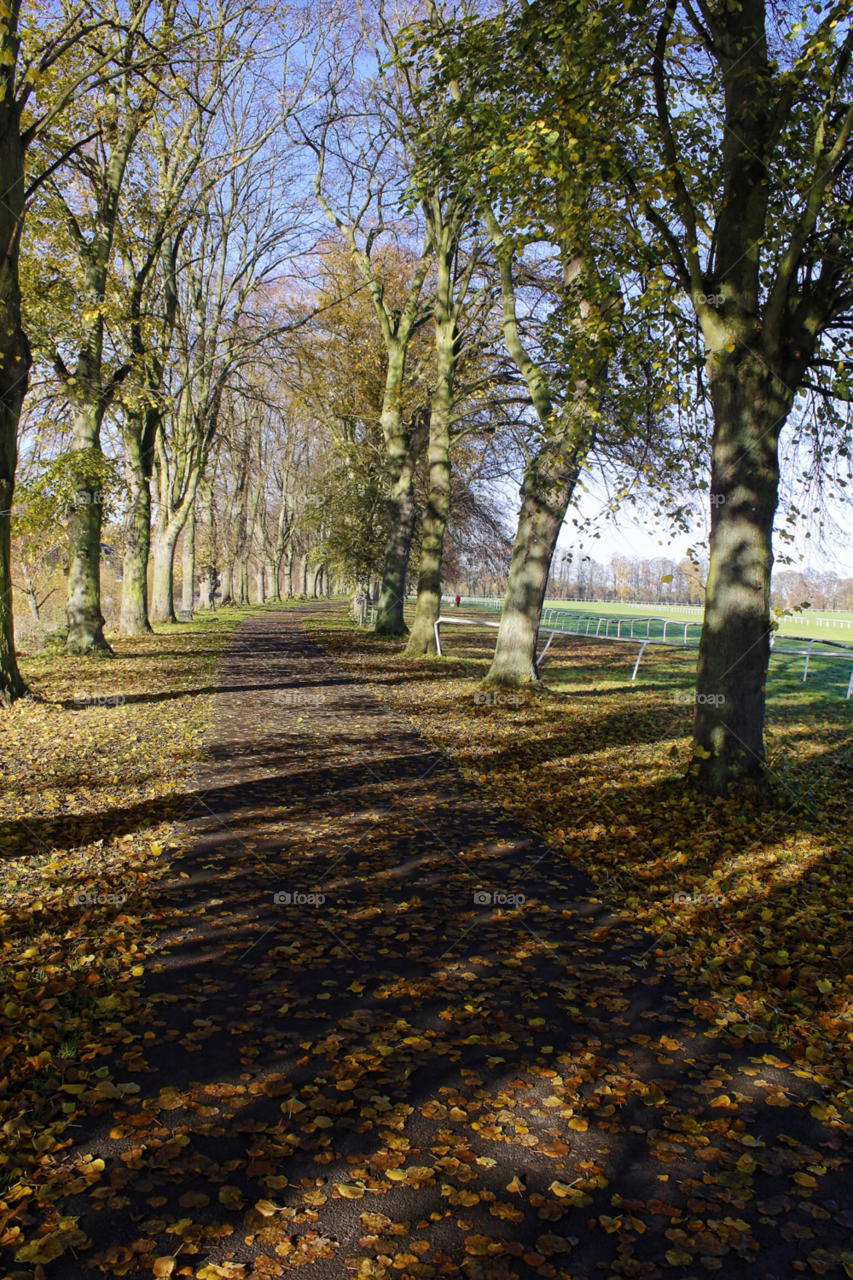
(753, 900)
(748, 905)
(96, 768)
(390, 1031)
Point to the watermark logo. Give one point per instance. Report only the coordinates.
(83, 498)
(99, 898)
(700, 699)
(484, 699)
(283, 898)
(487, 898)
(698, 899)
(297, 698)
(710, 299)
(717, 499)
(99, 699)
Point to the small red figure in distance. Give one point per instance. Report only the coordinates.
(458, 601)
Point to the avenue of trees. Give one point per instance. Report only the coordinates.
(296, 299)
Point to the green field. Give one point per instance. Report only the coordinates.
(827, 675)
(836, 626)
(808, 622)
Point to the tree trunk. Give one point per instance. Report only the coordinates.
(434, 523)
(15, 361)
(138, 447)
(226, 590)
(134, 587)
(288, 574)
(259, 584)
(437, 513)
(162, 593)
(545, 495)
(206, 543)
(398, 548)
(304, 591)
(83, 607)
(403, 445)
(315, 586)
(750, 408)
(274, 576)
(549, 483)
(188, 562)
(32, 599)
(88, 395)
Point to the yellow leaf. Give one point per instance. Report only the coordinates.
(578, 1123)
(231, 1197)
(163, 1268)
(350, 1190)
(516, 1186)
(480, 1246)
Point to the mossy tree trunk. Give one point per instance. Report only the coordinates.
(83, 605)
(139, 460)
(404, 442)
(206, 544)
(188, 561)
(163, 575)
(404, 438)
(15, 357)
(89, 390)
(751, 406)
(437, 511)
(445, 219)
(227, 588)
(548, 486)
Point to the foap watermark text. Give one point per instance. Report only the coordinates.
(700, 699)
(497, 898)
(493, 699)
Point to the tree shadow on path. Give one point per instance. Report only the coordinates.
(390, 1033)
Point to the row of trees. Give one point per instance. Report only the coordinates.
(821, 590)
(342, 278)
(658, 581)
